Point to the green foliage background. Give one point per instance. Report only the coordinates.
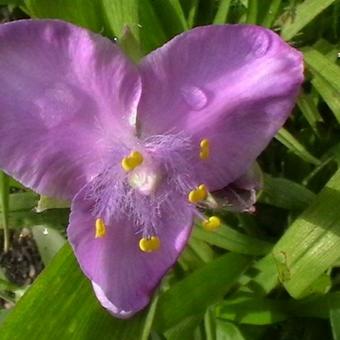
(273, 274)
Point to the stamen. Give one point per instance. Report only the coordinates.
(212, 223)
(199, 194)
(204, 149)
(100, 228)
(149, 245)
(131, 161)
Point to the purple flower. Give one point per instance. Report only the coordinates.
(138, 147)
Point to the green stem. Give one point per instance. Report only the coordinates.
(4, 202)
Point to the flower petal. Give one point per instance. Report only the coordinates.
(233, 84)
(66, 96)
(241, 194)
(123, 276)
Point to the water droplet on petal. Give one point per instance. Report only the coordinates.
(261, 43)
(45, 231)
(195, 97)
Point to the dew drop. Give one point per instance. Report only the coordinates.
(195, 97)
(45, 231)
(261, 44)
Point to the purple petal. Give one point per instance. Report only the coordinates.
(233, 84)
(66, 97)
(122, 275)
(240, 195)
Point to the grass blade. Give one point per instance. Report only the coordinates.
(304, 13)
(312, 243)
(295, 146)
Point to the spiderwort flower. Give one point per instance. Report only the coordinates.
(137, 147)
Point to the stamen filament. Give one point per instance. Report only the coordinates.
(149, 245)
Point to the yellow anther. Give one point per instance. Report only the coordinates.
(131, 161)
(204, 149)
(199, 194)
(212, 223)
(148, 245)
(100, 228)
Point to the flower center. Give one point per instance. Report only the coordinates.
(144, 179)
(147, 181)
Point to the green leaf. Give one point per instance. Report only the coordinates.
(192, 295)
(149, 319)
(62, 305)
(49, 242)
(272, 13)
(295, 146)
(23, 201)
(284, 193)
(335, 321)
(171, 15)
(46, 203)
(130, 45)
(322, 66)
(140, 17)
(329, 94)
(260, 311)
(230, 239)
(4, 204)
(303, 14)
(310, 111)
(261, 277)
(312, 243)
(326, 74)
(11, 2)
(107, 17)
(254, 311)
(192, 12)
(85, 13)
(222, 12)
(228, 331)
(252, 11)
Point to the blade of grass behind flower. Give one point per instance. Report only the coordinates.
(4, 204)
(302, 15)
(329, 94)
(321, 65)
(312, 243)
(259, 311)
(252, 11)
(272, 13)
(310, 111)
(228, 331)
(230, 239)
(85, 13)
(222, 12)
(170, 16)
(192, 295)
(192, 12)
(335, 321)
(284, 193)
(326, 74)
(291, 143)
(106, 17)
(61, 305)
